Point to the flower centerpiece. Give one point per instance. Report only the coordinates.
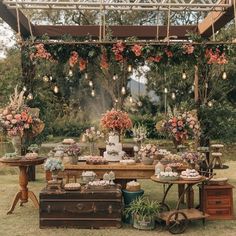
(116, 121)
(91, 135)
(73, 151)
(53, 165)
(17, 120)
(192, 158)
(181, 127)
(139, 134)
(148, 153)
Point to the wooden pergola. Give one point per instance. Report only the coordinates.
(220, 12)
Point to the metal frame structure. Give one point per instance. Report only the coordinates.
(123, 5)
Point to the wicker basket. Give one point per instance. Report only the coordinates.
(131, 188)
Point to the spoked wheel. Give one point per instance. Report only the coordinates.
(164, 207)
(177, 222)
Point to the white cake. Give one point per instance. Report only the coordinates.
(113, 149)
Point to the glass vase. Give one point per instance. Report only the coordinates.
(17, 144)
(91, 148)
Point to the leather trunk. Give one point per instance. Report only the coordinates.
(88, 208)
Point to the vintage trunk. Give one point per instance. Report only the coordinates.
(83, 209)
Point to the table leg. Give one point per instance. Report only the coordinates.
(34, 199)
(16, 199)
(190, 197)
(23, 181)
(181, 188)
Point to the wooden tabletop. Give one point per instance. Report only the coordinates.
(179, 181)
(23, 161)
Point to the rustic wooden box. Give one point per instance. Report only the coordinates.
(83, 209)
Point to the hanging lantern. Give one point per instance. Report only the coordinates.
(165, 90)
(45, 78)
(173, 96)
(24, 89)
(55, 89)
(123, 90)
(184, 76)
(210, 104)
(93, 93)
(91, 83)
(140, 103)
(30, 96)
(70, 73)
(130, 99)
(129, 68)
(224, 76)
(115, 77)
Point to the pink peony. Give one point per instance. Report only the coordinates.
(9, 117)
(17, 117)
(13, 121)
(137, 49)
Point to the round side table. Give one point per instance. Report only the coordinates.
(23, 194)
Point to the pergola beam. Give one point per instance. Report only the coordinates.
(122, 32)
(10, 17)
(220, 19)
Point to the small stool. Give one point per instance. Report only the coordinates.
(216, 155)
(205, 151)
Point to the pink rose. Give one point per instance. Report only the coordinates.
(13, 121)
(9, 117)
(26, 126)
(5, 112)
(17, 117)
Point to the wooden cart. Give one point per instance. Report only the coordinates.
(177, 219)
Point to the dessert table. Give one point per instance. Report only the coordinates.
(23, 194)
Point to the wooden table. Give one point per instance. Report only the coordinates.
(122, 171)
(23, 194)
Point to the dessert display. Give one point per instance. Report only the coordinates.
(31, 155)
(113, 149)
(168, 175)
(162, 153)
(127, 162)
(72, 186)
(175, 165)
(98, 184)
(96, 160)
(150, 151)
(133, 186)
(190, 174)
(171, 158)
(11, 156)
(68, 141)
(88, 176)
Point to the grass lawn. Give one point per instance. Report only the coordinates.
(25, 220)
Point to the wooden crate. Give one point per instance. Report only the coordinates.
(82, 209)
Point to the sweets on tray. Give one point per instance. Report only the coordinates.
(133, 186)
(99, 183)
(168, 175)
(68, 141)
(31, 155)
(190, 174)
(72, 186)
(96, 160)
(171, 158)
(128, 162)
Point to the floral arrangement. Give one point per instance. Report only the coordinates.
(182, 126)
(33, 148)
(74, 59)
(149, 151)
(16, 118)
(92, 135)
(40, 52)
(116, 121)
(139, 133)
(73, 150)
(53, 164)
(216, 57)
(192, 157)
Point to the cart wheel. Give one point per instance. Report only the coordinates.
(177, 222)
(164, 207)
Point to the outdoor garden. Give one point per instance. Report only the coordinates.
(117, 117)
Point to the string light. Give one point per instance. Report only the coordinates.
(45, 78)
(50, 77)
(55, 89)
(91, 83)
(224, 75)
(123, 91)
(24, 89)
(116, 100)
(193, 86)
(129, 68)
(173, 96)
(30, 96)
(86, 75)
(115, 77)
(184, 76)
(206, 85)
(93, 93)
(140, 103)
(165, 90)
(130, 99)
(70, 73)
(210, 104)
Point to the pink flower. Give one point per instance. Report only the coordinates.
(82, 64)
(73, 58)
(137, 49)
(17, 117)
(13, 121)
(9, 117)
(188, 49)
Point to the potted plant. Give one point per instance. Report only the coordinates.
(73, 151)
(143, 212)
(53, 165)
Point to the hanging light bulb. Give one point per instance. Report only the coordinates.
(165, 90)
(30, 96)
(129, 68)
(224, 75)
(116, 100)
(123, 91)
(45, 78)
(55, 89)
(70, 73)
(91, 83)
(206, 85)
(140, 103)
(173, 96)
(130, 99)
(24, 89)
(184, 76)
(210, 104)
(193, 86)
(114, 77)
(86, 75)
(93, 93)
(50, 78)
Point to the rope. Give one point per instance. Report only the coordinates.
(168, 26)
(213, 27)
(18, 21)
(234, 14)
